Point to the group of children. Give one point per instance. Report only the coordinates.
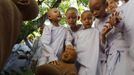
(101, 50)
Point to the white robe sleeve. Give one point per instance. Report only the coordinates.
(69, 38)
(46, 40)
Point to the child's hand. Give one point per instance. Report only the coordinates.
(106, 29)
(114, 19)
(103, 34)
(55, 62)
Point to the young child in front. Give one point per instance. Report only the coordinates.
(115, 46)
(53, 38)
(87, 46)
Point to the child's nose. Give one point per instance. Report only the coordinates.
(87, 20)
(71, 19)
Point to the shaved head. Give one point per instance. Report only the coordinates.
(97, 7)
(72, 9)
(50, 11)
(92, 2)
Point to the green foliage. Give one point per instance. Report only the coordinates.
(63, 7)
(27, 28)
(84, 2)
(43, 9)
(49, 3)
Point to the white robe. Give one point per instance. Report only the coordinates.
(116, 49)
(53, 39)
(129, 35)
(88, 51)
(74, 34)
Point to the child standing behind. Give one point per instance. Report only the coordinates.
(53, 38)
(87, 46)
(71, 18)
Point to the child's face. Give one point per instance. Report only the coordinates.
(97, 8)
(69, 55)
(54, 15)
(71, 17)
(112, 5)
(86, 19)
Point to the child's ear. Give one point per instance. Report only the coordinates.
(49, 17)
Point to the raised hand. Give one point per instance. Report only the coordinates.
(104, 31)
(114, 19)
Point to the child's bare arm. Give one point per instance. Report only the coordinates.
(114, 19)
(106, 29)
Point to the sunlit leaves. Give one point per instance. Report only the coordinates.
(83, 2)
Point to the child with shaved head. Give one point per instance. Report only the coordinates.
(71, 18)
(87, 45)
(53, 38)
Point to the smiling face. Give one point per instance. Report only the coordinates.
(69, 55)
(54, 15)
(98, 7)
(112, 5)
